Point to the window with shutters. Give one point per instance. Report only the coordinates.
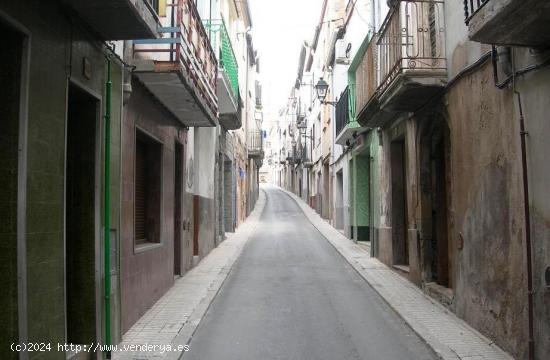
(147, 189)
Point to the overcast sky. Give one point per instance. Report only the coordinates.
(279, 28)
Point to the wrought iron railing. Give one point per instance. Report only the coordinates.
(471, 7)
(255, 141)
(186, 43)
(412, 38)
(342, 111)
(221, 42)
(366, 79)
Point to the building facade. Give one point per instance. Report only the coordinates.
(437, 153)
(120, 154)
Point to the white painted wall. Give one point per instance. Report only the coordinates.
(205, 161)
(460, 52)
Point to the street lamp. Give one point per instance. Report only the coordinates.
(322, 91)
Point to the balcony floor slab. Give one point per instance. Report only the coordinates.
(408, 92)
(348, 132)
(512, 22)
(118, 19)
(171, 89)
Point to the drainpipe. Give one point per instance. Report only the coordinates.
(528, 245)
(106, 209)
(507, 60)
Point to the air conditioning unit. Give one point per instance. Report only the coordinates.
(342, 52)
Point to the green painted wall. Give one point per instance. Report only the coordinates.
(351, 196)
(364, 188)
(362, 175)
(54, 58)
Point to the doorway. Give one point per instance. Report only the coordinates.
(339, 206)
(434, 157)
(362, 197)
(10, 99)
(351, 200)
(80, 210)
(178, 213)
(399, 203)
(229, 196)
(439, 217)
(326, 192)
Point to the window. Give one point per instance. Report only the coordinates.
(154, 4)
(147, 189)
(159, 6)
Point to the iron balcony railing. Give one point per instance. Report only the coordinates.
(255, 142)
(412, 39)
(185, 43)
(471, 7)
(219, 38)
(366, 79)
(293, 156)
(342, 111)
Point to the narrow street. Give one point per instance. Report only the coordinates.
(257, 180)
(290, 295)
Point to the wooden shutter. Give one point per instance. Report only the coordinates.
(140, 199)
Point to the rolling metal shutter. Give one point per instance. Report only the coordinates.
(140, 201)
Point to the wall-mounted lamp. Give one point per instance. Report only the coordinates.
(322, 91)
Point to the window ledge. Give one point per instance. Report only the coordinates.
(146, 247)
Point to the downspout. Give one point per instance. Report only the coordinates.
(528, 245)
(527, 211)
(106, 210)
(506, 58)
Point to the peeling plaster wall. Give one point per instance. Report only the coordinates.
(487, 210)
(535, 90)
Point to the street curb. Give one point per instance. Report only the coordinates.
(453, 349)
(190, 327)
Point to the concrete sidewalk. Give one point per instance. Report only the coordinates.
(175, 317)
(450, 337)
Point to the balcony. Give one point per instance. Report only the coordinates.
(367, 104)
(411, 62)
(180, 69)
(119, 19)
(509, 22)
(227, 86)
(307, 163)
(291, 157)
(346, 124)
(255, 144)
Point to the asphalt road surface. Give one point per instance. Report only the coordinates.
(290, 295)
